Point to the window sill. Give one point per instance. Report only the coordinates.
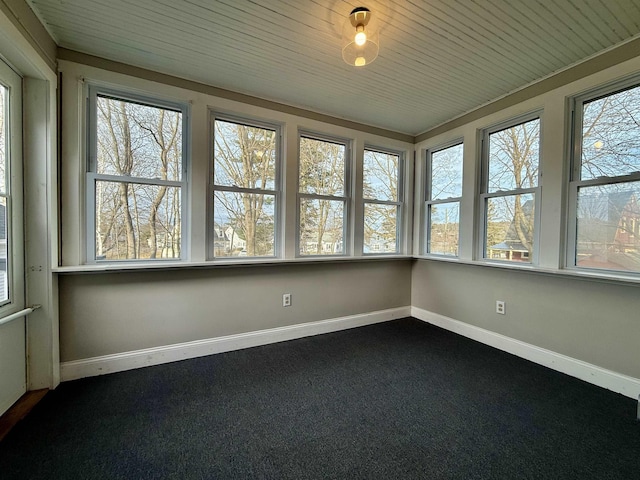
(602, 277)
(244, 262)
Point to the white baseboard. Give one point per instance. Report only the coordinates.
(119, 362)
(601, 377)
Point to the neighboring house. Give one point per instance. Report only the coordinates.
(235, 242)
(609, 231)
(226, 241)
(379, 244)
(311, 248)
(512, 248)
(220, 241)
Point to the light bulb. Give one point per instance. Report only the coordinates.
(598, 144)
(361, 37)
(360, 62)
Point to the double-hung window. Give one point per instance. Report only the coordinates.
(137, 177)
(605, 180)
(511, 190)
(323, 195)
(443, 196)
(382, 198)
(245, 188)
(11, 201)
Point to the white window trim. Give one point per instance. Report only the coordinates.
(14, 196)
(92, 92)
(425, 230)
(575, 182)
(399, 203)
(277, 192)
(347, 234)
(484, 195)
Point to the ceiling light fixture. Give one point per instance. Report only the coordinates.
(360, 38)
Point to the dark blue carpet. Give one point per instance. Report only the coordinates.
(396, 400)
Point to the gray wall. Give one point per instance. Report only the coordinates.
(109, 313)
(593, 321)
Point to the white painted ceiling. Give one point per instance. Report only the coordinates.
(438, 58)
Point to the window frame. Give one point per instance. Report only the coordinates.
(485, 195)
(399, 203)
(277, 192)
(93, 91)
(575, 182)
(14, 195)
(346, 198)
(426, 202)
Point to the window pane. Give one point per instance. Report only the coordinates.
(244, 156)
(509, 230)
(4, 128)
(380, 228)
(138, 140)
(608, 230)
(244, 224)
(135, 221)
(4, 252)
(446, 173)
(380, 180)
(611, 135)
(321, 227)
(514, 157)
(4, 247)
(322, 167)
(444, 228)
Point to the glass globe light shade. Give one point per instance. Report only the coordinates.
(360, 38)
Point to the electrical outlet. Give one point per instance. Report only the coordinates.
(500, 307)
(286, 299)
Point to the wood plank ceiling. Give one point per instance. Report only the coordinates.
(438, 58)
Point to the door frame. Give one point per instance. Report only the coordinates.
(27, 47)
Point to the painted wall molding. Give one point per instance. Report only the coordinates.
(617, 382)
(119, 362)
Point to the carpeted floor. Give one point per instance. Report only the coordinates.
(397, 400)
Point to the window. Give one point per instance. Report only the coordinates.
(137, 177)
(443, 195)
(510, 190)
(245, 188)
(5, 190)
(11, 234)
(382, 176)
(323, 194)
(605, 180)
